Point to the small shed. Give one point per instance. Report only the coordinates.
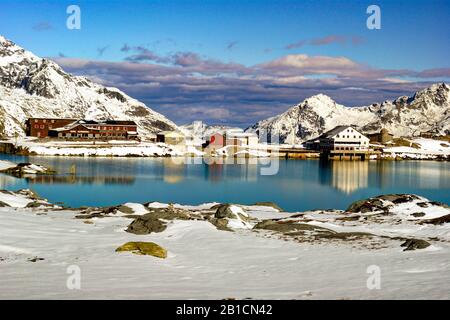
(171, 137)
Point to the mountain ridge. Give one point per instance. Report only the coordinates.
(37, 87)
(427, 110)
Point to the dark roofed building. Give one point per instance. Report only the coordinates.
(344, 138)
(82, 129)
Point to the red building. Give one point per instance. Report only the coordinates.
(215, 142)
(39, 127)
(83, 129)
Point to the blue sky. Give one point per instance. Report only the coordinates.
(239, 61)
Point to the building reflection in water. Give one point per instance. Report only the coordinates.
(173, 170)
(345, 176)
(421, 174)
(232, 169)
(214, 172)
(6, 181)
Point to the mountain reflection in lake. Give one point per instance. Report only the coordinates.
(298, 185)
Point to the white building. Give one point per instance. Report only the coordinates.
(343, 138)
(239, 138)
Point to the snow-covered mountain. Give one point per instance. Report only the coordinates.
(427, 110)
(34, 87)
(203, 130)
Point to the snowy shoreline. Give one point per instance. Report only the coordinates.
(217, 251)
(419, 149)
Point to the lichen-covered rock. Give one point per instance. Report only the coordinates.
(144, 248)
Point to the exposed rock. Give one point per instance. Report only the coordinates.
(125, 209)
(223, 211)
(398, 198)
(380, 203)
(220, 224)
(144, 248)
(229, 213)
(23, 169)
(422, 204)
(439, 220)
(287, 226)
(226, 211)
(308, 232)
(367, 205)
(146, 224)
(38, 204)
(152, 221)
(2, 204)
(418, 214)
(30, 194)
(35, 259)
(413, 244)
(269, 204)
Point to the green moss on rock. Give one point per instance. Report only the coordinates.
(144, 248)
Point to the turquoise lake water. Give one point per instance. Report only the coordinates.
(298, 184)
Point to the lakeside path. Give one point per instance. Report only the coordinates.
(225, 251)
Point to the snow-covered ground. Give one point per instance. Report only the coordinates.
(100, 149)
(428, 149)
(40, 245)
